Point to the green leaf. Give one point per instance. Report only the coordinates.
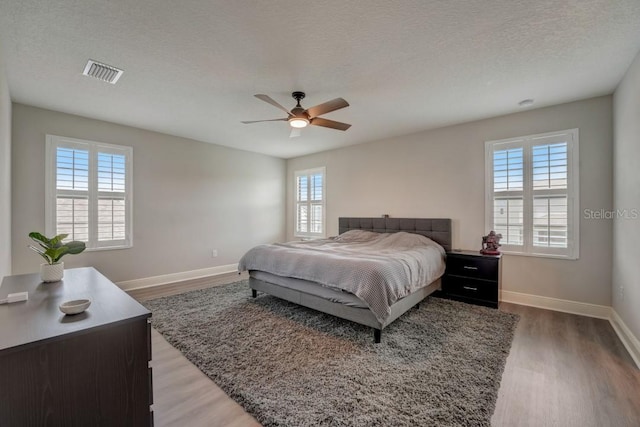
(39, 238)
(56, 253)
(57, 240)
(76, 247)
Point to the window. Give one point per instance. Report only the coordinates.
(532, 193)
(310, 203)
(88, 192)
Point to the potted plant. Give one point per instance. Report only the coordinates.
(52, 250)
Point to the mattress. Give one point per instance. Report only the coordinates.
(379, 268)
(333, 295)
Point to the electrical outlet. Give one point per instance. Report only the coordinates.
(214, 253)
(621, 291)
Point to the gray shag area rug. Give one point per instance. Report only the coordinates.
(438, 365)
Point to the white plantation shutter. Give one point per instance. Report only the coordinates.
(302, 205)
(72, 193)
(550, 185)
(89, 192)
(310, 203)
(532, 193)
(508, 194)
(111, 197)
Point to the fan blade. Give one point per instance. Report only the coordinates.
(295, 132)
(269, 100)
(318, 121)
(247, 122)
(327, 107)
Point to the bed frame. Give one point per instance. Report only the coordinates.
(437, 229)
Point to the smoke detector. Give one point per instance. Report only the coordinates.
(104, 72)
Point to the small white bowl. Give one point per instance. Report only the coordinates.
(75, 307)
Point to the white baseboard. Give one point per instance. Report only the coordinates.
(555, 304)
(148, 282)
(629, 340)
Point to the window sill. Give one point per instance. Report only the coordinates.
(538, 255)
(108, 248)
(309, 237)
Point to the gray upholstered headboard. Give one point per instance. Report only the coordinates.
(437, 229)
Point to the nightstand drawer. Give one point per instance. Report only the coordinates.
(475, 267)
(471, 288)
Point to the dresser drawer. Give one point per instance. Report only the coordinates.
(474, 267)
(471, 288)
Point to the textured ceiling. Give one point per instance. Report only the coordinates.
(192, 66)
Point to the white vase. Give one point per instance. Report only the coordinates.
(51, 272)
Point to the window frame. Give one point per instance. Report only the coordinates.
(51, 191)
(571, 137)
(309, 173)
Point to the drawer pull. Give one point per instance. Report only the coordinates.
(469, 288)
(466, 267)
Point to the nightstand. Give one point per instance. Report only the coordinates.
(473, 277)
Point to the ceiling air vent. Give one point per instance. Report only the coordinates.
(103, 72)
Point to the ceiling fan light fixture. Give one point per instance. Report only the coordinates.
(299, 118)
(298, 122)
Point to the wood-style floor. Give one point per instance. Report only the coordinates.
(563, 370)
(566, 370)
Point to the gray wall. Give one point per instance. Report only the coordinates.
(626, 190)
(440, 173)
(5, 173)
(189, 197)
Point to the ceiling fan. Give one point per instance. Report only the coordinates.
(299, 117)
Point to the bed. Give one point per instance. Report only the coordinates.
(274, 270)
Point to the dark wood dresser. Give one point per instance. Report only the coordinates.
(472, 277)
(89, 369)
